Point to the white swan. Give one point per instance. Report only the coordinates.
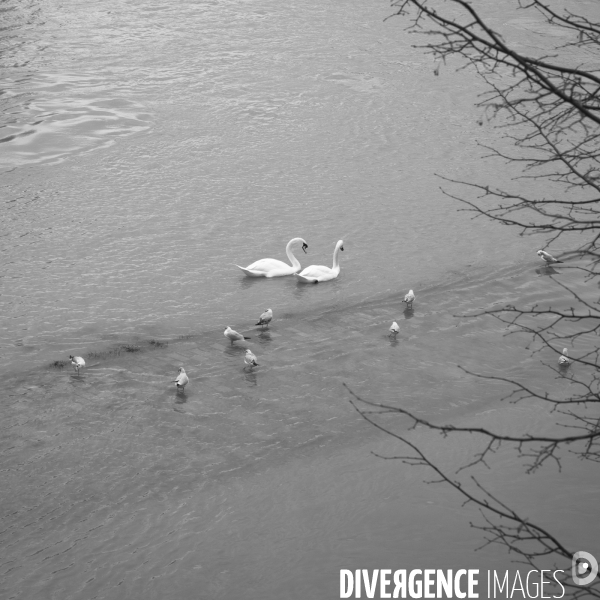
(316, 273)
(271, 267)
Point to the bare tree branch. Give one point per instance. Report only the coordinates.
(548, 109)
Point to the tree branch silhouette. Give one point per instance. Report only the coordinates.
(548, 108)
(502, 525)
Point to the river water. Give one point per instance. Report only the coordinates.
(146, 148)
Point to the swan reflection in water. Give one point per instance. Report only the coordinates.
(248, 282)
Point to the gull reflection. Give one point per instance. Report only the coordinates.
(250, 377)
(180, 397)
(247, 282)
(234, 351)
(546, 271)
(264, 337)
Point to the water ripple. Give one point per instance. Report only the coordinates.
(48, 116)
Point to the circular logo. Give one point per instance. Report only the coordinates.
(584, 568)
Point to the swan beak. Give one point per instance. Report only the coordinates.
(304, 247)
(342, 248)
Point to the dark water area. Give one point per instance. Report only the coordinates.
(145, 149)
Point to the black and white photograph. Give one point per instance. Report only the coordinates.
(299, 300)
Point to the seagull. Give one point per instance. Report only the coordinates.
(394, 329)
(265, 318)
(250, 359)
(234, 336)
(409, 298)
(182, 379)
(77, 362)
(547, 258)
(563, 359)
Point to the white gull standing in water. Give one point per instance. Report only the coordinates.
(409, 298)
(265, 318)
(563, 359)
(233, 335)
(250, 359)
(77, 362)
(394, 329)
(547, 258)
(182, 379)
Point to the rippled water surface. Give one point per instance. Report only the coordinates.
(145, 149)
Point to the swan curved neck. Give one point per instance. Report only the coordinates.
(336, 260)
(288, 250)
